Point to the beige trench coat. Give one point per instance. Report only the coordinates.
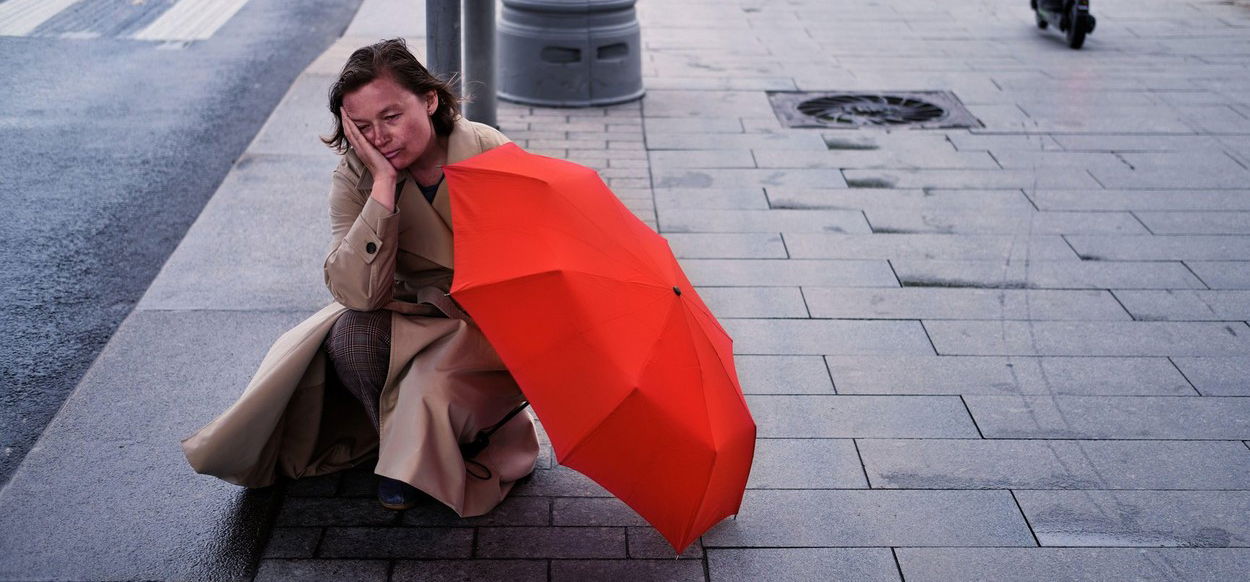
(445, 382)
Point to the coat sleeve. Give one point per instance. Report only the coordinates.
(360, 267)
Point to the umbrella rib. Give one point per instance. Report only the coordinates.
(639, 258)
(632, 392)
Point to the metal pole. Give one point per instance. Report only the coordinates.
(442, 39)
(479, 60)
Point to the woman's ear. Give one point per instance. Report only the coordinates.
(431, 102)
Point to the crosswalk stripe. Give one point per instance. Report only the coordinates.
(21, 17)
(191, 20)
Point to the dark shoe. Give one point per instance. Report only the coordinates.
(397, 494)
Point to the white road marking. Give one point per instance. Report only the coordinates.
(190, 20)
(21, 17)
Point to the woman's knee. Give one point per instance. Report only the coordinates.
(360, 332)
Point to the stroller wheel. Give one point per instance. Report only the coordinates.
(1041, 21)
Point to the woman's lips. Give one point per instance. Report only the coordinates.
(391, 155)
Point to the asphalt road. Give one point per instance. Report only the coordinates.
(109, 148)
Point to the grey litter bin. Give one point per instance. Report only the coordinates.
(571, 53)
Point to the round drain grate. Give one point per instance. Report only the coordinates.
(861, 109)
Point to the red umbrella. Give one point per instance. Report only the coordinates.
(631, 375)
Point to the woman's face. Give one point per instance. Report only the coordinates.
(395, 120)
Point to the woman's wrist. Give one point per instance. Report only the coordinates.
(384, 190)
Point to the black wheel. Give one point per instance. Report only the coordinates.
(1078, 24)
(1041, 20)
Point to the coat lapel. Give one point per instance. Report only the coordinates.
(422, 231)
(462, 144)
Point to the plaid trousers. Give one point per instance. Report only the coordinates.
(359, 348)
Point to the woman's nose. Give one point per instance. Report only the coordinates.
(380, 136)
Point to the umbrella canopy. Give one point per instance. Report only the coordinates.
(629, 372)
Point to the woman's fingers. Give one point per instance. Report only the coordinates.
(373, 159)
(349, 129)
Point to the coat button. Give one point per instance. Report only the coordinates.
(371, 248)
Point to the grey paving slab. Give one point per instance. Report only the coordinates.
(1195, 162)
(1161, 248)
(647, 543)
(396, 542)
(627, 570)
(558, 481)
(658, 125)
(469, 570)
(852, 416)
(1110, 417)
(835, 518)
(1180, 199)
(927, 246)
(1187, 305)
(797, 337)
(322, 570)
(722, 158)
(254, 264)
(1212, 519)
(292, 542)
(711, 198)
(889, 199)
(711, 220)
(887, 142)
(664, 177)
(726, 302)
(802, 564)
(1054, 464)
(1075, 338)
(1217, 376)
(686, 104)
(1081, 376)
(154, 501)
(327, 511)
(297, 123)
(1046, 274)
(1136, 143)
(513, 510)
(551, 542)
(806, 464)
(940, 303)
(788, 272)
(727, 245)
(1013, 158)
(1196, 222)
(1064, 121)
(978, 222)
(987, 179)
(1005, 142)
(593, 511)
(1184, 177)
(1222, 274)
(745, 141)
(1072, 564)
(875, 158)
(783, 375)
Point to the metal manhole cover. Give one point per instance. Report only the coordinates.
(923, 109)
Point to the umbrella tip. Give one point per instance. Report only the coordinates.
(676, 289)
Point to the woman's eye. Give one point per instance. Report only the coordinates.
(392, 117)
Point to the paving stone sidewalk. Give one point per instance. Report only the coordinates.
(1017, 352)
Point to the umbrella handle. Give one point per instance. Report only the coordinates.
(472, 448)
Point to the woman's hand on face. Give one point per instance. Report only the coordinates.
(373, 159)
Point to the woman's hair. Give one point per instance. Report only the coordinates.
(389, 58)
